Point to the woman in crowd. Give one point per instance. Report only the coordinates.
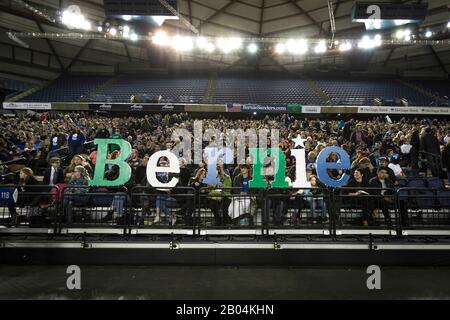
(219, 199)
(74, 194)
(27, 194)
(77, 160)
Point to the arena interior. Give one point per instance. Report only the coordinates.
(371, 79)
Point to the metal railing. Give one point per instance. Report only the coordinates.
(224, 211)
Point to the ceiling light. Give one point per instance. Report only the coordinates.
(428, 34)
(280, 48)
(347, 46)
(399, 34)
(252, 48)
(320, 47)
(182, 43)
(161, 39)
(113, 31)
(133, 37)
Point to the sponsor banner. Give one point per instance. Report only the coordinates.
(205, 108)
(404, 110)
(295, 108)
(265, 108)
(311, 109)
(168, 107)
(234, 107)
(27, 106)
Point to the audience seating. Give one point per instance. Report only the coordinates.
(67, 89)
(363, 92)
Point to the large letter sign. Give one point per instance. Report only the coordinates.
(258, 154)
(152, 169)
(280, 168)
(102, 161)
(322, 165)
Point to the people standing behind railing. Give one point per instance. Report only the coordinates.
(446, 158)
(164, 202)
(240, 206)
(219, 199)
(383, 190)
(197, 183)
(25, 182)
(430, 145)
(358, 191)
(315, 198)
(74, 194)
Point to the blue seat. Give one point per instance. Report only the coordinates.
(444, 199)
(435, 183)
(418, 183)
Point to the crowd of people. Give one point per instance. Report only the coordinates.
(59, 148)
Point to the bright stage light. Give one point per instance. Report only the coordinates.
(204, 44)
(113, 31)
(280, 48)
(448, 24)
(181, 43)
(407, 32)
(252, 48)
(400, 34)
(161, 39)
(347, 46)
(74, 19)
(227, 45)
(428, 34)
(133, 37)
(210, 48)
(126, 29)
(297, 46)
(320, 47)
(127, 18)
(99, 28)
(368, 43)
(377, 40)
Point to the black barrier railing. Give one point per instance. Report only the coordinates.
(220, 210)
(365, 209)
(91, 207)
(299, 211)
(162, 208)
(29, 206)
(145, 210)
(424, 208)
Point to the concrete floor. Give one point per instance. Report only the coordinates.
(203, 283)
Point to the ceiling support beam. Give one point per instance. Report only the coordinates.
(314, 21)
(215, 14)
(439, 61)
(388, 58)
(127, 51)
(80, 52)
(190, 10)
(52, 49)
(261, 17)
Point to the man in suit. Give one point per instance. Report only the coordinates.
(382, 194)
(54, 174)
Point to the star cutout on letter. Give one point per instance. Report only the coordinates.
(299, 141)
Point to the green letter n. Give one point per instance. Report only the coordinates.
(258, 180)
